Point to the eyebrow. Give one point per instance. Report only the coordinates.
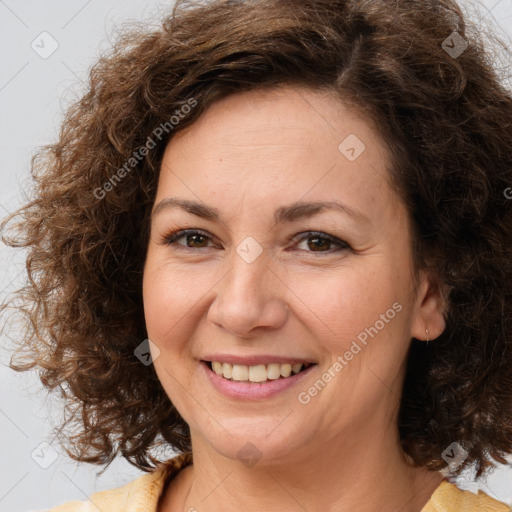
(283, 214)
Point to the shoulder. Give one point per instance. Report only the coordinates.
(449, 498)
(141, 494)
(144, 488)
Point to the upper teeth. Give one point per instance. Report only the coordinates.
(258, 373)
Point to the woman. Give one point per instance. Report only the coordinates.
(274, 236)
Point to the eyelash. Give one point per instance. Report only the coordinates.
(174, 236)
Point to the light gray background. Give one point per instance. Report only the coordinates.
(34, 91)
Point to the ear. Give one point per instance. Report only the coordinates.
(429, 309)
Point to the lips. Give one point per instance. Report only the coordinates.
(254, 390)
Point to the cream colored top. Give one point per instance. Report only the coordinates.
(142, 495)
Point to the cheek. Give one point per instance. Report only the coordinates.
(171, 313)
(344, 302)
(169, 296)
(362, 314)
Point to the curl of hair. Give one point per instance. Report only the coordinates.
(447, 122)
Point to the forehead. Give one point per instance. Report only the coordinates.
(297, 114)
(279, 145)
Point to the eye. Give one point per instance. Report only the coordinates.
(316, 241)
(194, 239)
(320, 242)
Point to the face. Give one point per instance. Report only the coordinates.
(245, 267)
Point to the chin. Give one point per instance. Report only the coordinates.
(262, 441)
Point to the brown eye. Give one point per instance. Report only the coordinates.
(196, 240)
(322, 243)
(193, 239)
(318, 243)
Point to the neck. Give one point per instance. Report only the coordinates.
(354, 476)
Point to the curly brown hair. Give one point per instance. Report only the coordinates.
(447, 120)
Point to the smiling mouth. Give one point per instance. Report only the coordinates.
(258, 373)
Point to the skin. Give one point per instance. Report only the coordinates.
(247, 155)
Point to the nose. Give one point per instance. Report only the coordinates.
(249, 298)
